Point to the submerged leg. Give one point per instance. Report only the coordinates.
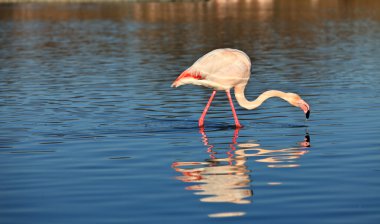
(238, 125)
(202, 118)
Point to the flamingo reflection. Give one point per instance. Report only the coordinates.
(226, 177)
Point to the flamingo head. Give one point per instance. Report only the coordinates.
(297, 101)
(305, 107)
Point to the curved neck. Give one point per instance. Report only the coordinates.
(240, 97)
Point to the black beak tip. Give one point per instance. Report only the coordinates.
(307, 114)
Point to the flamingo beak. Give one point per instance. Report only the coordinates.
(307, 114)
(305, 107)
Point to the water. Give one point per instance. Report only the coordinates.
(91, 131)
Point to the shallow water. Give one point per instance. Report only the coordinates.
(91, 132)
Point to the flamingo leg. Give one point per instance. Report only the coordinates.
(202, 118)
(238, 125)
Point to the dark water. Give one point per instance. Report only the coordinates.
(91, 132)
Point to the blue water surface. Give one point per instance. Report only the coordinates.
(92, 132)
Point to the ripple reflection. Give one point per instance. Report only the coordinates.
(225, 177)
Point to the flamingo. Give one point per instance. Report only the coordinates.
(222, 69)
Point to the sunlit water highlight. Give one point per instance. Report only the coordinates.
(91, 132)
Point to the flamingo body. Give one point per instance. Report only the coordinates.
(220, 69)
(223, 69)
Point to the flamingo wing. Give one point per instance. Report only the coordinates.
(220, 69)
